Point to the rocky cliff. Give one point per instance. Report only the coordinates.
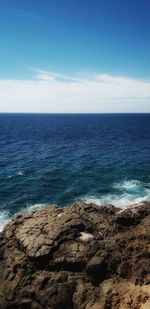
(81, 257)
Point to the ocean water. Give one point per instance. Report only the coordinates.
(63, 158)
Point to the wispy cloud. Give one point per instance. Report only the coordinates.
(53, 92)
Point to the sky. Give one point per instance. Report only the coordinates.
(74, 56)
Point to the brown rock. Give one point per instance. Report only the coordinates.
(97, 269)
(82, 256)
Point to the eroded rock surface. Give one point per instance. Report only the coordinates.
(82, 256)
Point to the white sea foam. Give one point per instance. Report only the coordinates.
(17, 173)
(33, 207)
(4, 218)
(127, 185)
(9, 176)
(20, 173)
(127, 193)
(122, 201)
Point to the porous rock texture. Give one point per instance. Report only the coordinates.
(78, 257)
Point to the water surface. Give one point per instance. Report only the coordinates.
(53, 158)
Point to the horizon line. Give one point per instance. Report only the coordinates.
(71, 113)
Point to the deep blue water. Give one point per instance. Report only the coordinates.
(59, 159)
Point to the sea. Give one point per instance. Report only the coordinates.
(64, 158)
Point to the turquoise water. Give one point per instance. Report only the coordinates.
(104, 158)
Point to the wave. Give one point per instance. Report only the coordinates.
(29, 208)
(4, 218)
(122, 201)
(17, 173)
(9, 176)
(127, 185)
(124, 194)
(20, 173)
(26, 172)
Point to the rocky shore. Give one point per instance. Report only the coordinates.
(77, 257)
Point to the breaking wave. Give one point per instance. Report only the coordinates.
(33, 207)
(4, 218)
(123, 194)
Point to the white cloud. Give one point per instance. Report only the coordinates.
(52, 92)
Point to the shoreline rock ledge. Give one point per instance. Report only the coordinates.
(78, 257)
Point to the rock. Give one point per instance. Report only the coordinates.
(97, 269)
(82, 256)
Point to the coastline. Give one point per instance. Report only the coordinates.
(81, 256)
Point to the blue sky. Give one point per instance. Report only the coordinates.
(88, 38)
